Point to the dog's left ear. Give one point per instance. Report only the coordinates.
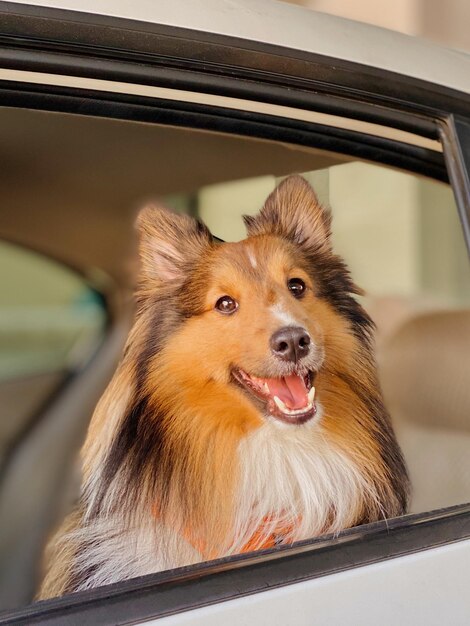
(293, 211)
(170, 244)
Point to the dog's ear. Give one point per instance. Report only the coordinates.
(170, 243)
(293, 211)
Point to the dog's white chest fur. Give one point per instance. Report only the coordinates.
(293, 476)
(297, 476)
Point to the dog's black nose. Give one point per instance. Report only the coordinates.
(291, 343)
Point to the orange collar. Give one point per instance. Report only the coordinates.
(258, 540)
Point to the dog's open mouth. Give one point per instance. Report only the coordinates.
(289, 398)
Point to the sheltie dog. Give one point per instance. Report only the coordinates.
(246, 411)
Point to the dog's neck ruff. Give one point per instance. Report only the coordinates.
(294, 484)
(297, 479)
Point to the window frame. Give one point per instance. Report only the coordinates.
(205, 63)
(175, 591)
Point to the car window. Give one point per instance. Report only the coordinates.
(399, 233)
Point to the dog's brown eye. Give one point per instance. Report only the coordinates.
(226, 304)
(296, 287)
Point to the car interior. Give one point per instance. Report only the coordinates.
(70, 189)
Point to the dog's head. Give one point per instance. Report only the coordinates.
(269, 315)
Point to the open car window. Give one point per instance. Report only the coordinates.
(398, 231)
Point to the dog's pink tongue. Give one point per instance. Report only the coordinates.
(290, 389)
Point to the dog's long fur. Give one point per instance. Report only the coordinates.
(180, 463)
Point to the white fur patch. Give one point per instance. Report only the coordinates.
(252, 258)
(296, 476)
(284, 316)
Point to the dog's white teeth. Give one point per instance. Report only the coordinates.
(266, 389)
(311, 395)
(282, 407)
(280, 404)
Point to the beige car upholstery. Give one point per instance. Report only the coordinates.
(426, 382)
(21, 399)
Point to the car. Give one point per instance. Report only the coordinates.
(206, 105)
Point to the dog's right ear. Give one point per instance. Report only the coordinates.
(293, 211)
(170, 243)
